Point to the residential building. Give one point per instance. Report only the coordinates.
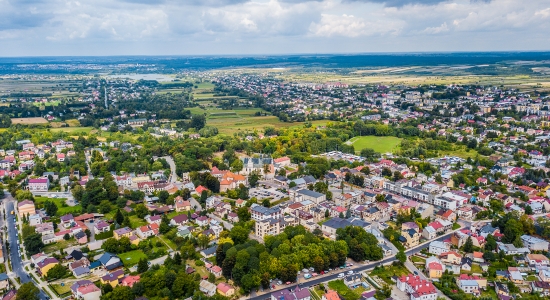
(26, 208)
(209, 289)
(225, 289)
(416, 287)
(534, 243)
(39, 185)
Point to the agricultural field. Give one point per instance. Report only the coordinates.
(29, 121)
(381, 144)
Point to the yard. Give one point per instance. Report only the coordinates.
(385, 273)
(416, 259)
(131, 258)
(62, 207)
(61, 290)
(136, 222)
(344, 291)
(62, 244)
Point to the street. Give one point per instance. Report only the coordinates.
(357, 269)
(173, 176)
(15, 258)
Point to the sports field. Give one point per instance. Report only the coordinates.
(380, 144)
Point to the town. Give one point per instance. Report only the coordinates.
(348, 191)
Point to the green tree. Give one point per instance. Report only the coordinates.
(58, 271)
(141, 211)
(33, 243)
(401, 256)
(119, 218)
(143, 265)
(198, 122)
(27, 291)
(253, 179)
(203, 241)
(50, 207)
(237, 166)
(528, 210)
(244, 214)
(239, 234)
(164, 226)
(469, 245)
(119, 293)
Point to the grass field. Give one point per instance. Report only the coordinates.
(59, 202)
(380, 144)
(131, 258)
(27, 121)
(73, 129)
(60, 290)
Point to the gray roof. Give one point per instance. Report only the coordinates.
(310, 193)
(266, 210)
(3, 276)
(210, 251)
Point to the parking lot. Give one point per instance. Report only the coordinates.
(260, 193)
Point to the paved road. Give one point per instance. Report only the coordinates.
(173, 176)
(358, 268)
(227, 225)
(15, 258)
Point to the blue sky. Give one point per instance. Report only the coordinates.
(170, 27)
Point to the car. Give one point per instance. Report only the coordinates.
(288, 282)
(322, 273)
(311, 269)
(350, 272)
(415, 273)
(340, 275)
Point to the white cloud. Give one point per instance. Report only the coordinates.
(273, 26)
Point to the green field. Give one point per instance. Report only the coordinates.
(380, 144)
(62, 208)
(72, 129)
(132, 257)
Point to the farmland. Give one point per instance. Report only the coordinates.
(380, 144)
(29, 121)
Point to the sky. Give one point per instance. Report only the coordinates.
(211, 27)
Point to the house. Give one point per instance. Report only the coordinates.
(429, 233)
(81, 271)
(534, 243)
(182, 205)
(129, 280)
(541, 287)
(216, 270)
(45, 265)
(515, 275)
(416, 287)
(110, 261)
(502, 289)
(179, 220)
(468, 286)
(38, 257)
(4, 282)
(438, 247)
(112, 278)
(537, 260)
(153, 219)
(352, 281)
(11, 295)
(330, 295)
(330, 227)
(209, 289)
(85, 290)
(202, 221)
(122, 232)
(101, 226)
(297, 294)
(67, 220)
(434, 267)
(81, 237)
(225, 289)
(544, 275)
(232, 217)
(146, 231)
(451, 257)
(39, 184)
(209, 252)
(409, 237)
(35, 219)
(26, 208)
(466, 264)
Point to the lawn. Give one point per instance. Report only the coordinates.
(85, 130)
(61, 290)
(62, 207)
(417, 259)
(456, 226)
(385, 273)
(343, 290)
(381, 144)
(136, 222)
(171, 244)
(131, 258)
(53, 247)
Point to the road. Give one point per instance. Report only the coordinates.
(16, 259)
(227, 225)
(358, 268)
(173, 176)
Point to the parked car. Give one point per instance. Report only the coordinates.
(341, 275)
(350, 272)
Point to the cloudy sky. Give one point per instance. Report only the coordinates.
(172, 27)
